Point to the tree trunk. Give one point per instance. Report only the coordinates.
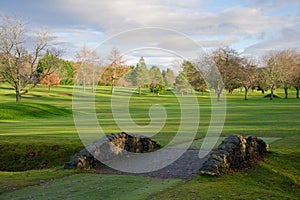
(286, 92)
(83, 86)
(272, 93)
(297, 92)
(17, 86)
(219, 95)
(18, 95)
(140, 91)
(113, 86)
(246, 93)
(49, 88)
(93, 85)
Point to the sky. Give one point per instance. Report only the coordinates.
(162, 30)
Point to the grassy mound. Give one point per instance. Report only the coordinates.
(35, 154)
(274, 96)
(16, 111)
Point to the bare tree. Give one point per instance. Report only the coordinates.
(221, 68)
(82, 74)
(115, 60)
(95, 64)
(287, 61)
(248, 74)
(228, 63)
(206, 66)
(272, 72)
(282, 70)
(90, 68)
(18, 66)
(295, 78)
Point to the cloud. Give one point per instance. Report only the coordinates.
(117, 16)
(275, 4)
(78, 22)
(161, 59)
(221, 42)
(289, 38)
(153, 44)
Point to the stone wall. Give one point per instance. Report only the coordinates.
(234, 153)
(111, 147)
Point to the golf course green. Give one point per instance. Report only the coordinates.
(38, 135)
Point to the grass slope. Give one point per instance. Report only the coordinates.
(21, 111)
(10, 181)
(94, 186)
(278, 177)
(40, 133)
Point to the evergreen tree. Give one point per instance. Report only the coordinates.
(169, 77)
(194, 77)
(157, 83)
(181, 83)
(139, 76)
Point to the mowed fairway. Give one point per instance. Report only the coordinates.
(39, 133)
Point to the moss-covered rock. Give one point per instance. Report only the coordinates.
(111, 147)
(234, 153)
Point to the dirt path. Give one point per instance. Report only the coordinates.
(186, 167)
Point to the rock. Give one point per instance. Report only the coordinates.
(111, 147)
(234, 153)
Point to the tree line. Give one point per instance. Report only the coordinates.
(276, 69)
(25, 64)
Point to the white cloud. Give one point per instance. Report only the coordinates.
(289, 38)
(223, 41)
(113, 17)
(161, 59)
(117, 16)
(269, 24)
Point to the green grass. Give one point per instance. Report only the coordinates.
(278, 177)
(34, 152)
(20, 111)
(94, 186)
(262, 117)
(10, 181)
(39, 133)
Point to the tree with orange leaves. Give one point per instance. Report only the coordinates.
(50, 80)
